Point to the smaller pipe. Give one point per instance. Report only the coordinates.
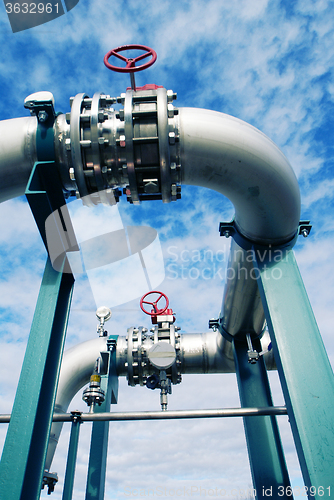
(165, 415)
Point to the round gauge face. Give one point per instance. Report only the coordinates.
(162, 355)
(103, 312)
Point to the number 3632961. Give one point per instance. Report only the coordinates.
(31, 8)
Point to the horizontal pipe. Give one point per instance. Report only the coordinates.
(17, 155)
(164, 415)
(201, 353)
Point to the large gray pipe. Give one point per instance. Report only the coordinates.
(218, 151)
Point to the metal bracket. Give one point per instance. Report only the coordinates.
(304, 228)
(41, 105)
(50, 479)
(227, 229)
(214, 324)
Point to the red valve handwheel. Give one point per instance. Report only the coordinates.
(130, 63)
(156, 311)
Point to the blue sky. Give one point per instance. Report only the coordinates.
(269, 63)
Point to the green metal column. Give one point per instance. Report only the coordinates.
(71, 457)
(100, 431)
(23, 457)
(265, 450)
(304, 369)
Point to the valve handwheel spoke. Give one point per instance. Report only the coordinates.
(156, 311)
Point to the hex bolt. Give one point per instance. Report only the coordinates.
(171, 137)
(304, 232)
(42, 116)
(71, 174)
(122, 141)
(68, 144)
(170, 110)
(171, 96)
(86, 143)
(121, 99)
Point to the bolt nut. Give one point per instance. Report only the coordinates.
(171, 96)
(171, 137)
(86, 144)
(71, 174)
(122, 141)
(68, 144)
(121, 99)
(42, 116)
(170, 110)
(100, 116)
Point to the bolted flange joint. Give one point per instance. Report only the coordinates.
(135, 150)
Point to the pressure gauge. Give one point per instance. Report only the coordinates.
(103, 313)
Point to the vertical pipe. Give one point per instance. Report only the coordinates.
(269, 472)
(23, 457)
(71, 458)
(100, 431)
(303, 366)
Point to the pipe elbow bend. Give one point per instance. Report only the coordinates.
(228, 155)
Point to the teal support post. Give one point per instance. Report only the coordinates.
(71, 457)
(23, 457)
(303, 365)
(266, 456)
(100, 431)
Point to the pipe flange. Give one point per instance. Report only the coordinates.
(75, 137)
(128, 132)
(164, 157)
(151, 145)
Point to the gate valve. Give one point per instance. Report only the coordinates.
(130, 63)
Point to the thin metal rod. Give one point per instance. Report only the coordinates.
(165, 415)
